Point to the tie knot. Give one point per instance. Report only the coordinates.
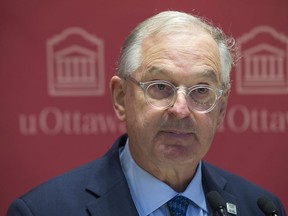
(178, 205)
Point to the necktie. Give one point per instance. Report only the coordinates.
(178, 206)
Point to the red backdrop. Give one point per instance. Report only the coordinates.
(57, 58)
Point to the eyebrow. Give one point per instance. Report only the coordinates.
(154, 70)
(210, 74)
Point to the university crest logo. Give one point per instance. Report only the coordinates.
(263, 67)
(75, 64)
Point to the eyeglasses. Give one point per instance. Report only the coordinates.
(162, 94)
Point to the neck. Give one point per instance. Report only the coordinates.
(177, 178)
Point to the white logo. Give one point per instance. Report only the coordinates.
(75, 61)
(231, 208)
(263, 68)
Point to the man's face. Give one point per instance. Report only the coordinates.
(176, 136)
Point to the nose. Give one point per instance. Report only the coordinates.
(180, 107)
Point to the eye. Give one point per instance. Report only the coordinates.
(161, 86)
(202, 95)
(160, 90)
(202, 90)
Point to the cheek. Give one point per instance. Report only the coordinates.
(138, 113)
(207, 126)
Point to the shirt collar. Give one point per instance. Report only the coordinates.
(149, 193)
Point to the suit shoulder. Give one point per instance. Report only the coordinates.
(68, 183)
(54, 195)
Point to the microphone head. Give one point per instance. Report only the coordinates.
(216, 201)
(267, 206)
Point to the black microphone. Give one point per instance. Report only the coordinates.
(217, 203)
(267, 206)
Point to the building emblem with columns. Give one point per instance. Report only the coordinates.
(263, 67)
(75, 61)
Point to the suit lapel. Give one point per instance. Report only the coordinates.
(115, 202)
(109, 186)
(213, 181)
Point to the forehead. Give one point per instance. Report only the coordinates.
(162, 72)
(192, 54)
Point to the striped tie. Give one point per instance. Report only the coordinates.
(178, 206)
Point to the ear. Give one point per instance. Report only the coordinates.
(223, 107)
(118, 90)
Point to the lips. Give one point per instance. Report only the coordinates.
(178, 134)
(178, 131)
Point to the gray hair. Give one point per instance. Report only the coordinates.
(167, 21)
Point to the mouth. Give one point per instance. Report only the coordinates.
(178, 133)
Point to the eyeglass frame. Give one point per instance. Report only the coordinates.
(145, 85)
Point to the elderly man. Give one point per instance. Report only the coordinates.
(171, 91)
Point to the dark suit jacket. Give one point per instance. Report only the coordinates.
(100, 189)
